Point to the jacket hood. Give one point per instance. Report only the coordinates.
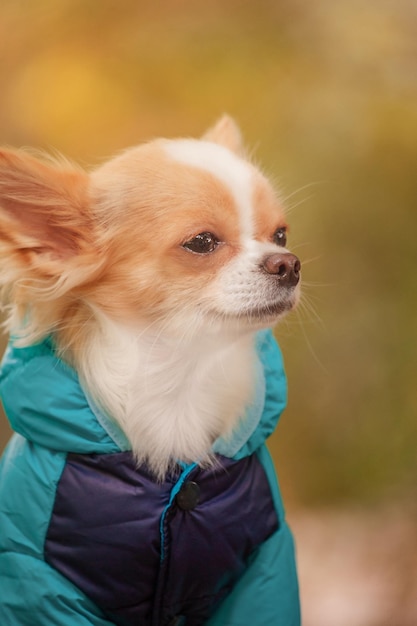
(45, 403)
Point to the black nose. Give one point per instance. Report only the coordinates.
(286, 267)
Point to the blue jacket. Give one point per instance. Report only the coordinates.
(88, 538)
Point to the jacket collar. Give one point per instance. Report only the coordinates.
(44, 402)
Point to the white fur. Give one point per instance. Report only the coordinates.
(233, 172)
(172, 397)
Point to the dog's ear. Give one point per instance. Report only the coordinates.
(226, 133)
(43, 206)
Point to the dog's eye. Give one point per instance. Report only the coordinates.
(202, 243)
(280, 237)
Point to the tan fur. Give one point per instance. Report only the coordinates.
(226, 133)
(46, 239)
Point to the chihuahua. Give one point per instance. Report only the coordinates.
(151, 278)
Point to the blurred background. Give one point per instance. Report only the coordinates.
(326, 95)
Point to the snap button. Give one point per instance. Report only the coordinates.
(188, 496)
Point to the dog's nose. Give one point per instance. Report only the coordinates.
(286, 267)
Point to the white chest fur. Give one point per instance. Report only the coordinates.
(171, 398)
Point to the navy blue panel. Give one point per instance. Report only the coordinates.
(104, 535)
(209, 546)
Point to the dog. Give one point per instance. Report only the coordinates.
(142, 380)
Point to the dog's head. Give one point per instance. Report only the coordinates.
(182, 234)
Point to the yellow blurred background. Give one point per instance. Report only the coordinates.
(326, 95)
